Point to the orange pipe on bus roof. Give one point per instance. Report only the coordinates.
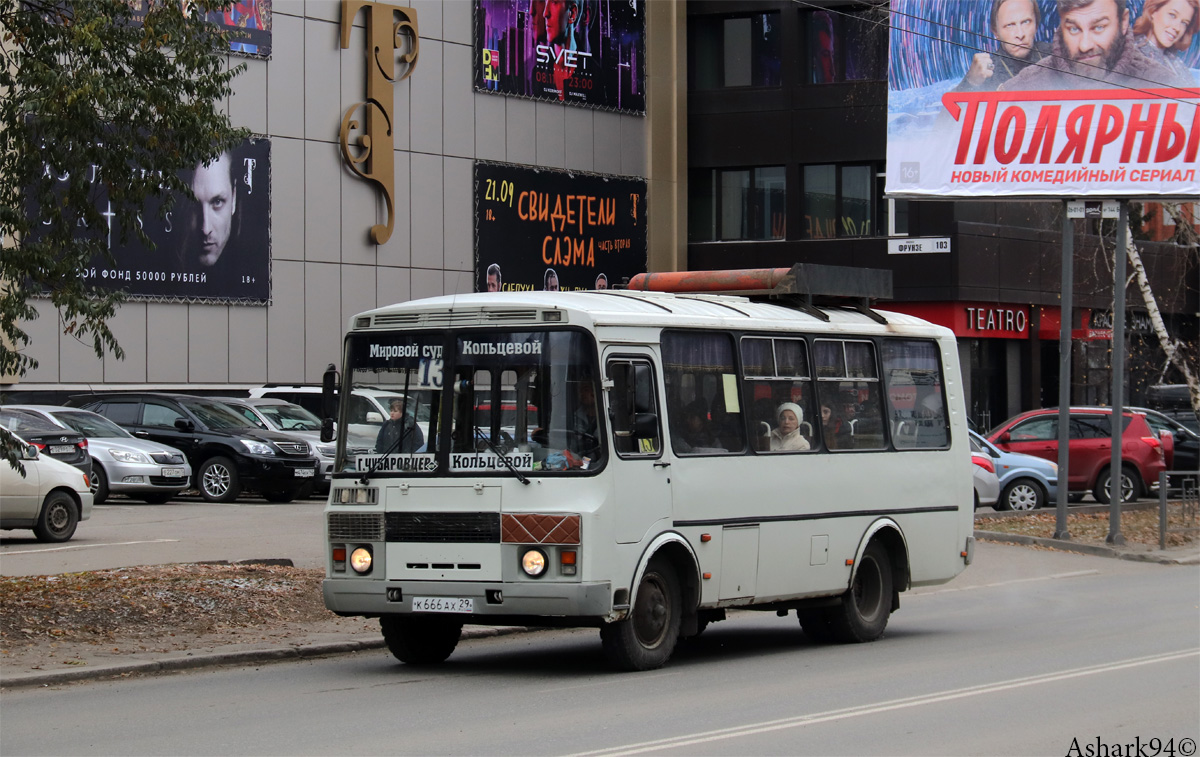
(709, 281)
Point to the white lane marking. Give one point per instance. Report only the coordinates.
(894, 704)
(1051, 577)
(88, 546)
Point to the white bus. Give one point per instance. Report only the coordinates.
(657, 458)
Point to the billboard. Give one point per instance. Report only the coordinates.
(217, 249)
(581, 52)
(538, 229)
(246, 22)
(1014, 99)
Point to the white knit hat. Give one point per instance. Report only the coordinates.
(795, 411)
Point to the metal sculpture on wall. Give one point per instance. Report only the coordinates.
(390, 28)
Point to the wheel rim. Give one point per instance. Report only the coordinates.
(651, 614)
(1126, 488)
(216, 480)
(58, 518)
(868, 589)
(1023, 497)
(93, 483)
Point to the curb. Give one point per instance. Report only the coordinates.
(1087, 549)
(218, 659)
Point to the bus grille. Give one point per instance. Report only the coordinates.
(461, 528)
(355, 526)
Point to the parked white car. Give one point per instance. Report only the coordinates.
(367, 412)
(51, 498)
(122, 463)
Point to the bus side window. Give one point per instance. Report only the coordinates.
(634, 409)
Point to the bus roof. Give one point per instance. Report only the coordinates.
(629, 308)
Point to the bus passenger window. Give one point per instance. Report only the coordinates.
(849, 391)
(700, 375)
(779, 398)
(915, 395)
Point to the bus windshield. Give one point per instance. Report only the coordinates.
(473, 397)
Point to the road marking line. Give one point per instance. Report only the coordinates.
(1073, 574)
(88, 546)
(894, 704)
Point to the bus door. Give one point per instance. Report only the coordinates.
(641, 477)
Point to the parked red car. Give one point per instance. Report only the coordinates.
(1036, 433)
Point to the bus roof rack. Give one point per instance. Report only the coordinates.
(805, 286)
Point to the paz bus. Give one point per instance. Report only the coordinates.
(668, 452)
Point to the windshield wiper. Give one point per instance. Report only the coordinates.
(507, 463)
(399, 441)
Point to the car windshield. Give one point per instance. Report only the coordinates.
(290, 417)
(218, 416)
(19, 420)
(92, 426)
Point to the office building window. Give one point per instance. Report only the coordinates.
(845, 45)
(737, 203)
(738, 51)
(838, 201)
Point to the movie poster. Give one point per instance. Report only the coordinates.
(216, 249)
(247, 22)
(582, 52)
(539, 229)
(1018, 102)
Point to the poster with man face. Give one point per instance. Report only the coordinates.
(215, 248)
(581, 52)
(1044, 98)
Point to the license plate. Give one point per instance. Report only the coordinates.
(172, 472)
(443, 604)
(61, 449)
(304, 472)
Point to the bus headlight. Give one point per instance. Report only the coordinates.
(360, 560)
(533, 562)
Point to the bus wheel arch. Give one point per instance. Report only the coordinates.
(880, 573)
(664, 597)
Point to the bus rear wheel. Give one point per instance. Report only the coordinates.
(420, 640)
(865, 608)
(646, 639)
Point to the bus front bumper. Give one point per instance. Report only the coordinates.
(488, 600)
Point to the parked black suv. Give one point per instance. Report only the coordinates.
(227, 453)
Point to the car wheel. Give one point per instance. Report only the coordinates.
(218, 481)
(1131, 487)
(98, 482)
(420, 640)
(59, 517)
(864, 611)
(1022, 494)
(646, 638)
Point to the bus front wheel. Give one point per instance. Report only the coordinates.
(865, 608)
(646, 639)
(420, 640)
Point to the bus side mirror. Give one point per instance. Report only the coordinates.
(327, 432)
(329, 382)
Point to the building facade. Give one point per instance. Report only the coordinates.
(324, 266)
(787, 107)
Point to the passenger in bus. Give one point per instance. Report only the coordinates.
(585, 412)
(399, 433)
(694, 435)
(787, 436)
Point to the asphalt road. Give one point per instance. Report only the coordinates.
(1028, 652)
(123, 532)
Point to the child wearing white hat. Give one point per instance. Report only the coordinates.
(787, 436)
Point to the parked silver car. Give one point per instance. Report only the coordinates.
(122, 463)
(1026, 482)
(293, 420)
(987, 484)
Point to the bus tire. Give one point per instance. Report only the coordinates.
(816, 624)
(420, 640)
(863, 613)
(646, 639)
